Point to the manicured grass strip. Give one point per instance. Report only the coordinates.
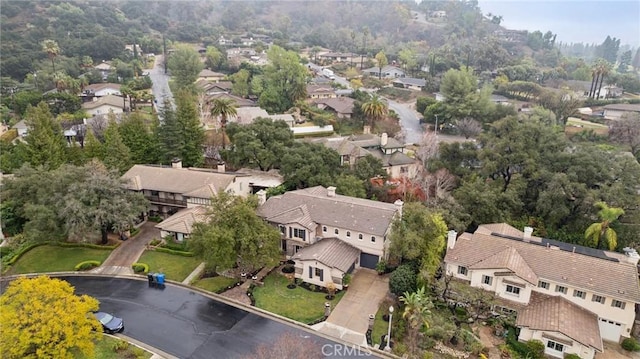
(380, 327)
(175, 267)
(214, 284)
(56, 259)
(297, 304)
(104, 349)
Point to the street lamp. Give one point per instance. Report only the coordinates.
(388, 347)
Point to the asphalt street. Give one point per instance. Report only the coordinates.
(409, 122)
(160, 80)
(186, 324)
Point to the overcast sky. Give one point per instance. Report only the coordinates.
(587, 21)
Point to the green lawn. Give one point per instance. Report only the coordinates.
(214, 284)
(104, 350)
(175, 267)
(380, 327)
(48, 258)
(298, 304)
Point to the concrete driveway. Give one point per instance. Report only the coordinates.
(128, 252)
(349, 320)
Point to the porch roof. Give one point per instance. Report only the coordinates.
(331, 252)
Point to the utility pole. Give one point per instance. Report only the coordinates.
(436, 128)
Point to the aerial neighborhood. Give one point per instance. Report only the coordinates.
(267, 180)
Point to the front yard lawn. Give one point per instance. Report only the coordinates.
(104, 349)
(174, 267)
(48, 258)
(214, 284)
(298, 304)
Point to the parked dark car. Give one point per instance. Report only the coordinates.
(110, 323)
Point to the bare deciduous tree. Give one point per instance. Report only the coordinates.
(439, 184)
(627, 131)
(428, 147)
(468, 127)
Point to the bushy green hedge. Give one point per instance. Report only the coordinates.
(572, 356)
(87, 265)
(631, 345)
(171, 251)
(140, 268)
(14, 256)
(83, 245)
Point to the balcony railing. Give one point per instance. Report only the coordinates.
(169, 201)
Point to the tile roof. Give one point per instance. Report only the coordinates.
(183, 221)
(101, 86)
(319, 89)
(356, 214)
(338, 104)
(209, 73)
(239, 101)
(187, 181)
(111, 100)
(330, 251)
(605, 272)
(509, 258)
(557, 314)
(411, 81)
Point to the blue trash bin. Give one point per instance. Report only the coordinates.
(160, 278)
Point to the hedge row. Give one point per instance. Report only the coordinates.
(21, 251)
(87, 265)
(140, 268)
(83, 245)
(172, 251)
(14, 256)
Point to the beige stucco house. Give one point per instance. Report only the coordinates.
(180, 225)
(618, 110)
(570, 297)
(328, 234)
(105, 105)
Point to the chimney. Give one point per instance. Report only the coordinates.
(451, 239)
(527, 233)
(398, 203)
(632, 255)
(176, 163)
(262, 197)
(366, 130)
(383, 139)
(221, 167)
(331, 191)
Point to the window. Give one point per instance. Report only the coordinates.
(579, 294)
(542, 284)
(348, 234)
(487, 279)
(360, 236)
(324, 229)
(617, 304)
(320, 273)
(404, 169)
(512, 289)
(300, 233)
(555, 346)
(373, 239)
(561, 289)
(597, 298)
(462, 270)
(336, 231)
(283, 229)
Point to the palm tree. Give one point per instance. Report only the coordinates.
(594, 80)
(600, 233)
(374, 109)
(53, 50)
(416, 309)
(605, 68)
(224, 108)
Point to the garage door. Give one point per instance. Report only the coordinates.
(368, 260)
(610, 330)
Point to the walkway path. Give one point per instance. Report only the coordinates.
(239, 293)
(128, 252)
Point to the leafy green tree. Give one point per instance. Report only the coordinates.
(462, 98)
(284, 80)
(213, 58)
(139, 137)
(368, 167)
(350, 185)
(418, 236)
(61, 102)
(600, 234)
(45, 140)
(375, 109)
(308, 164)
(241, 83)
(403, 279)
(43, 318)
(223, 108)
(99, 202)
(409, 59)
(190, 132)
(562, 106)
(185, 65)
(116, 154)
(235, 234)
(423, 102)
(92, 147)
(261, 144)
(381, 60)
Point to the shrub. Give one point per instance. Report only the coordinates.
(631, 345)
(346, 279)
(18, 253)
(572, 356)
(156, 219)
(140, 268)
(536, 349)
(154, 242)
(87, 265)
(171, 251)
(176, 246)
(403, 279)
(288, 269)
(120, 345)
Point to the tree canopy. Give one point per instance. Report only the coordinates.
(284, 80)
(43, 318)
(185, 65)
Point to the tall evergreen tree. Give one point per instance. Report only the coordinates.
(45, 140)
(138, 136)
(168, 133)
(190, 131)
(92, 147)
(116, 154)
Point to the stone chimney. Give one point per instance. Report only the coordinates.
(331, 191)
(221, 167)
(632, 255)
(451, 239)
(527, 233)
(366, 130)
(384, 138)
(176, 163)
(398, 203)
(262, 197)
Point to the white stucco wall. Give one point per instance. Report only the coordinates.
(330, 274)
(584, 352)
(365, 244)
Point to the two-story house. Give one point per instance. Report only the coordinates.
(328, 234)
(567, 296)
(105, 105)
